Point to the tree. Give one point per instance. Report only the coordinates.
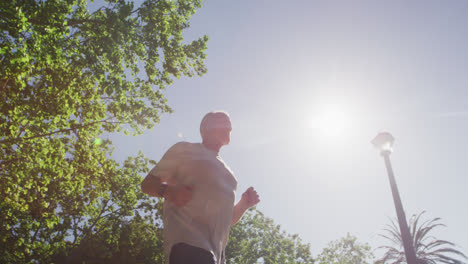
(429, 250)
(134, 240)
(256, 239)
(346, 251)
(67, 76)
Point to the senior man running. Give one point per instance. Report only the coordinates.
(199, 192)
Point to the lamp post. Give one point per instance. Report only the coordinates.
(384, 142)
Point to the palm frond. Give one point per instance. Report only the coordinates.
(450, 250)
(442, 258)
(429, 250)
(414, 230)
(395, 240)
(438, 243)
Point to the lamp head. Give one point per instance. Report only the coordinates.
(384, 142)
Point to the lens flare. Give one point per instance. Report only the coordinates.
(97, 141)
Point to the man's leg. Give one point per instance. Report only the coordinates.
(182, 253)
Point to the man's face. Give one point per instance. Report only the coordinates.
(220, 133)
(223, 135)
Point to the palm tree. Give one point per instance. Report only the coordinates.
(429, 250)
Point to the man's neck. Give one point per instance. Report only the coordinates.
(212, 146)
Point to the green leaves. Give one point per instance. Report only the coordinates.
(257, 239)
(67, 76)
(346, 250)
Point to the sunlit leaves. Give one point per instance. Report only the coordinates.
(68, 74)
(257, 239)
(346, 250)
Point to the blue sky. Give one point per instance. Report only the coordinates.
(308, 84)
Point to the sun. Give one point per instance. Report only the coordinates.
(330, 122)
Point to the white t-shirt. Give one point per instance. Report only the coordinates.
(205, 220)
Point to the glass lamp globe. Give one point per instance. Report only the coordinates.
(384, 142)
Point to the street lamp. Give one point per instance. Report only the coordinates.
(384, 142)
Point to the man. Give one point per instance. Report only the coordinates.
(199, 192)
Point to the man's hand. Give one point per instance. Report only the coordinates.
(249, 198)
(179, 195)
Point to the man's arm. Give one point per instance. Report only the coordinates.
(151, 185)
(239, 210)
(177, 194)
(164, 172)
(249, 198)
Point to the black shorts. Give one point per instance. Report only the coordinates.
(182, 253)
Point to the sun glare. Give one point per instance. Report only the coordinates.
(331, 122)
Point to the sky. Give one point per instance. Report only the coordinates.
(308, 85)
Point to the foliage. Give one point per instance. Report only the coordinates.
(346, 251)
(256, 239)
(135, 240)
(429, 250)
(68, 75)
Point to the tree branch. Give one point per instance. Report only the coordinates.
(6, 82)
(97, 219)
(76, 251)
(35, 233)
(10, 161)
(74, 22)
(56, 132)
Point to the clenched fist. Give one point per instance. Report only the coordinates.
(250, 198)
